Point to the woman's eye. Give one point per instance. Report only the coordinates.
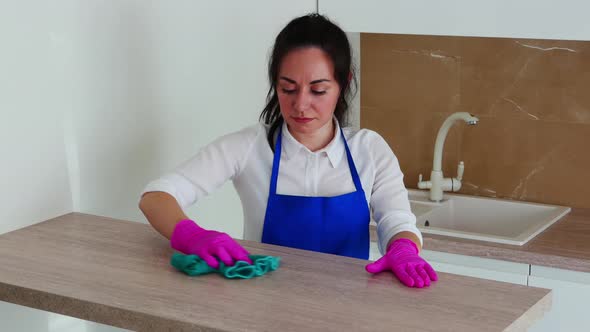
(291, 91)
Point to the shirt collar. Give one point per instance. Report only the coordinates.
(335, 149)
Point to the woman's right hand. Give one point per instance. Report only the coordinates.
(189, 238)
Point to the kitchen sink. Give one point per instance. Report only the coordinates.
(484, 219)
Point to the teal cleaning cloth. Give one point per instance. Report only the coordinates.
(193, 265)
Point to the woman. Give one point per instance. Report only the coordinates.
(304, 181)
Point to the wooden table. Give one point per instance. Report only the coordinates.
(118, 273)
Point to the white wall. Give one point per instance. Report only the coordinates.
(97, 98)
(34, 183)
(159, 81)
(544, 19)
(34, 96)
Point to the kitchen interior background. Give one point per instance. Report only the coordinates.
(531, 97)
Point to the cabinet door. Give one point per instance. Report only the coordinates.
(476, 267)
(499, 18)
(20, 318)
(571, 293)
(374, 253)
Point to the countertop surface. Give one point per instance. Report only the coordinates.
(118, 273)
(564, 245)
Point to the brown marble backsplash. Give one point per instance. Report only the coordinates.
(532, 98)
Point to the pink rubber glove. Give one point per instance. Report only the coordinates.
(190, 239)
(403, 260)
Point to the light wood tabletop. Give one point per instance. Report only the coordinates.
(118, 272)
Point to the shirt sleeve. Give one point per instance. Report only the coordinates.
(389, 203)
(213, 165)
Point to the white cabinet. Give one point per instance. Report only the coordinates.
(571, 294)
(17, 318)
(543, 19)
(374, 252)
(477, 267)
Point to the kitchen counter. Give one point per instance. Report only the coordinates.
(118, 273)
(564, 245)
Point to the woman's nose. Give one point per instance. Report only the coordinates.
(301, 101)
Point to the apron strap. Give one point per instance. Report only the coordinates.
(276, 162)
(355, 176)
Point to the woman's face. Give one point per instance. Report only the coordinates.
(307, 90)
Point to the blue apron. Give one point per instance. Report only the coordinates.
(335, 225)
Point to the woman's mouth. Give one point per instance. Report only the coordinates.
(302, 120)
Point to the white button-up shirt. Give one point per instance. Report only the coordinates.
(245, 157)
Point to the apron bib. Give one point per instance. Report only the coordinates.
(335, 225)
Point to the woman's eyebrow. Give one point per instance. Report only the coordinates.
(319, 81)
(312, 82)
(288, 79)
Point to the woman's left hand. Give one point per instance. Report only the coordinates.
(403, 260)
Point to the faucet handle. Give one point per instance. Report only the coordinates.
(420, 178)
(460, 169)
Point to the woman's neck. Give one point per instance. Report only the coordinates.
(317, 140)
